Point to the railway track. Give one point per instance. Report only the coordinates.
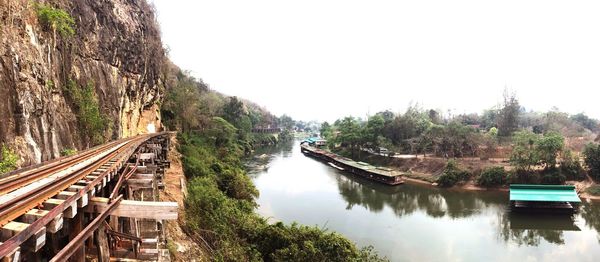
(35, 200)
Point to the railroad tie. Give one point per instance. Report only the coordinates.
(69, 212)
(33, 215)
(34, 243)
(81, 202)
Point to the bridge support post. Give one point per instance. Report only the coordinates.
(102, 244)
(76, 227)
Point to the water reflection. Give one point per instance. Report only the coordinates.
(417, 222)
(407, 199)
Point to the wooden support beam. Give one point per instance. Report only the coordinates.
(146, 156)
(101, 240)
(14, 256)
(35, 242)
(69, 212)
(136, 209)
(144, 182)
(142, 176)
(76, 228)
(32, 215)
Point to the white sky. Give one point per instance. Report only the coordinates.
(322, 60)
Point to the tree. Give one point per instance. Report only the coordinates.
(326, 131)
(286, 122)
(182, 104)
(350, 133)
(508, 117)
(548, 147)
(524, 155)
(489, 118)
(592, 160)
(585, 121)
(373, 129)
(221, 132)
(233, 111)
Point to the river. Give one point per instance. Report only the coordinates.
(414, 222)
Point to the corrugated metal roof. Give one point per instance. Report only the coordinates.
(543, 193)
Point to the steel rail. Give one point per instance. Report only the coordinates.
(19, 205)
(17, 181)
(54, 187)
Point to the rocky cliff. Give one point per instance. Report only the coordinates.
(115, 48)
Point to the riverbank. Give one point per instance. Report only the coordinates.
(426, 171)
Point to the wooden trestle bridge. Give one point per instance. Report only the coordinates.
(98, 204)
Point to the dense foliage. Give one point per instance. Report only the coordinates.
(493, 176)
(56, 19)
(93, 124)
(220, 208)
(592, 160)
(190, 106)
(8, 160)
(452, 175)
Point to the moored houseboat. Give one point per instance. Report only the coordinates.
(544, 198)
(384, 175)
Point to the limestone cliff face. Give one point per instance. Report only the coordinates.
(116, 46)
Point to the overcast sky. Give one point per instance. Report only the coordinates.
(323, 59)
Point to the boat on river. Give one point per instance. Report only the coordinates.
(379, 174)
(544, 198)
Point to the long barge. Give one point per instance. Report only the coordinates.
(378, 174)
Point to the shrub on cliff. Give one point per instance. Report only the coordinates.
(8, 160)
(56, 19)
(493, 176)
(92, 123)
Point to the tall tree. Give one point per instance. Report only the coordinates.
(508, 120)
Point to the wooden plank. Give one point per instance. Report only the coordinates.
(35, 242)
(32, 215)
(136, 209)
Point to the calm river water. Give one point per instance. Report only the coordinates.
(417, 222)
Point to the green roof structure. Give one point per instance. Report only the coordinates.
(544, 193)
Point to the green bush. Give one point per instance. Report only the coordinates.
(8, 160)
(493, 176)
(571, 168)
(87, 108)
(56, 19)
(593, 190)
(592, 160)
(220, 208)
(552, 177)
(68, 152)
(452, 174)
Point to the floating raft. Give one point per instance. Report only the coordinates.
(378, 174)
(551, 198)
